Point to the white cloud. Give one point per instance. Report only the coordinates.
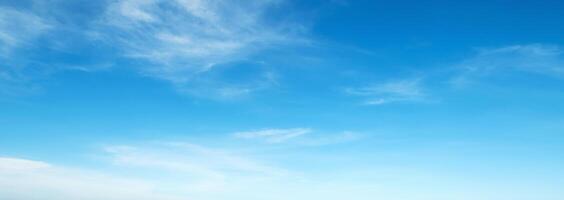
(27, 37)
(19, 29)
(409, 90)
(186, 171)
(532, 58)
(14, 164)
(134, 9)
(158, 171)
(298, 136)
(273, 135)
(331, 139)
(541, 59)
(189, 158)
(57, 182)
(213, 87)
(22, 179)
(180, 40)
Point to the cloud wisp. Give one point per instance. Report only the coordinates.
(297, 136)
(178, 41)
(547, 60)
(193, 159)
(18, 32)
(20, 164)
(155, 171)
(273, 135)
(409, 90)
(331, 139)
(181, 40)
(185, 37)
(19, 29)
(185, 171)
(170, 171)
(30, 179)
(486, 63)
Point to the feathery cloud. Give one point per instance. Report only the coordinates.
(169, 171)
(16, 164)
(273, 135)
(409, 90)
(29, 179)
(531, 58)
(192, 159)
(331, 138)
(298, 136)
(179, 41)
(19, 29)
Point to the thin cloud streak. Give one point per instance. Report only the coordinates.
(273, 135)
(153, 171)
(19, 29)
(485, 64)
(409, 90)
(177, 41)
(543, 59)
(181, 40)
(169, 171)
(29, 179)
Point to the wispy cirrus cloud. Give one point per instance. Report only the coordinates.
(184, 37)
(541, 59)
(171, 171)
(181, 171)
(168, 170)
(30, 179)
(408, 90)
(19, 29)
(31, 35)
(194, 160)
(331, 138)
(486, 63)
(273, 135)
(298, 136)
(20, 164)
(154, 171)
(179, 41)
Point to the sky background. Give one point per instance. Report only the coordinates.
(281, 99)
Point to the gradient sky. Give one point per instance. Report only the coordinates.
(281, 99)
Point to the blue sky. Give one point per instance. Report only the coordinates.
(281, 99)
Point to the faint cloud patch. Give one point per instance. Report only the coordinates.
(331, 139)
(298, 136)
(273, 135)
(19, 29)
(17, 164)
(532, 58)
(409, 90)
(192, 159)
(30, 38)
(28, 179)
(181, 40)
(221, 88)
